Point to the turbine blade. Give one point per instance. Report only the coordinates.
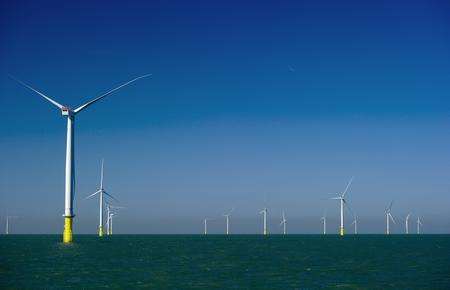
(348, 186)
(87, 197)
(82, 107)
(110, 196)
(392, 218)
(39, 93)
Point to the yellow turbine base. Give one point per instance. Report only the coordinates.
(100, 231)
(341, 231)
(67, 234)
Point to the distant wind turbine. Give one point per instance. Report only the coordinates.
(8, 217)
(324, 222)
(70, 162)
(109, 212)
(419, 224)
(355, 223)
(100, 193)
(283, 222)
(227, 216)
(264, 213)
(341, 198)
(205, 225)
(407, 223)
(389, 217)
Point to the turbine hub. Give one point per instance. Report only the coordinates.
(66, 111)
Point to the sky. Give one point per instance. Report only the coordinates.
(251, 104)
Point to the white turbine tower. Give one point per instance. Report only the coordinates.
(70, 170)
(341, 198)
(109, 208)
(205, 225)
(101, 191)
(407, 223)
(324, 222)
(419, 224)
(355, 223)
(389, 217)
(110, 223)
(283, 222)
(264, 213)
(8, 217)
(227, 216)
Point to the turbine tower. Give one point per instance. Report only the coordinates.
(101, 191)
(110, 224)
(109, 208)
(70, 162)
(407, 223)
(419, 224)
(389, 218)
(355, 222)
(324, 222)
(205, 225)
(264, 213)
(8, 217)
(283, 223)
(227, 216)
(341, 198)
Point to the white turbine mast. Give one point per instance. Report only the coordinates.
(407, 223)
(264, 213)
(355, 223)
(343, 202)
(8, 217)
(324, 222)
(419, 224)
(227, 217)
(389, 218)
(101, 191)
(283, 222)
(109, 212)
(70, 168)
(205, 225)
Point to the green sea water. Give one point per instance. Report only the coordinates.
(226, 262)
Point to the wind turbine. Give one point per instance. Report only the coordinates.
(341, 198)
(389, 217)
(407, 223)
(227, 216)
(8, 217)
(110, 223)
(324, 222)
(205, 224)
(419, 224)
(101, 191)
(355, 222)
(283, 223)
(109, 211)
(264, 213)
(70, 162)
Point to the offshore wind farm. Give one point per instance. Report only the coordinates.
(225, 145)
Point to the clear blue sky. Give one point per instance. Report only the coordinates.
(277, 101)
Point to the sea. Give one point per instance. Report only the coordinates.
(225, 262)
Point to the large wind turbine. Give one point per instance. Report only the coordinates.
(227, 216)
(264, 213)
(389, 217)
(283, 222)
(407, 223)
(341, 198)
(70, 171)
(419, 224)
(101, 191)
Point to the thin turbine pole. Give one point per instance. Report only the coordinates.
(70, 181)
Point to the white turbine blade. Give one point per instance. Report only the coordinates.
(390, 206)
(87, 197)
(392, 218)
(82, 107)
(110, 196)
(101, 176)
(335, 197)
(348, 185)
(39, 93)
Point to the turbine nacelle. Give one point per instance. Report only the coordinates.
(66, 111)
